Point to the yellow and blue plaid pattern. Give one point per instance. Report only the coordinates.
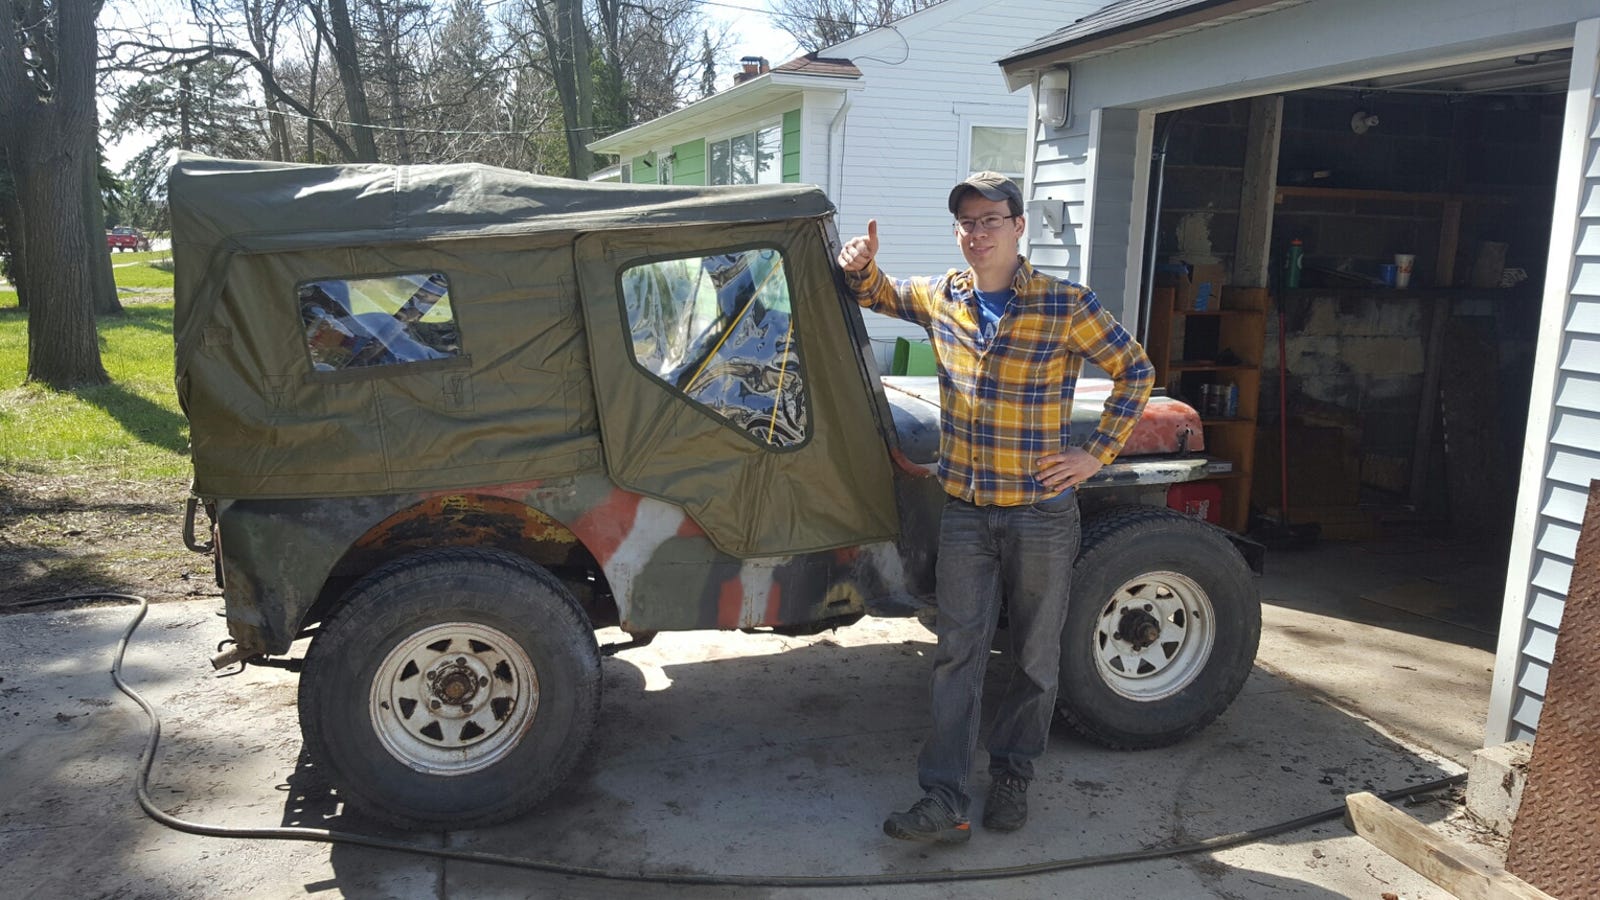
(1008, 401)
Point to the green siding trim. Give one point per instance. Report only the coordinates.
(689, 163)
(791, 145)
(644, 168)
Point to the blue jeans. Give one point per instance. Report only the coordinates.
(1023, 554)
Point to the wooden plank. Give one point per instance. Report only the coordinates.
(1428, 404)
(1444, 271)
(1252, 249)
(1432, 855)
(1328, 193)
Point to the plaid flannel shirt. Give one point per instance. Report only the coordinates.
(1007, 402)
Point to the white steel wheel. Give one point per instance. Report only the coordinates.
(453, 698)
(455, 688)
(1154, 635)
(1161, 628)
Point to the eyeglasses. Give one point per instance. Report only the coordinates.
(987, 223)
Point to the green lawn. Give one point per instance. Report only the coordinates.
(130, 273)
(130, 429)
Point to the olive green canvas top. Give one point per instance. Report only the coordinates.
(364, 329)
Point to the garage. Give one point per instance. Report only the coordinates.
(1251, 182)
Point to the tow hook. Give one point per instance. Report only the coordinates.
(1138, 628)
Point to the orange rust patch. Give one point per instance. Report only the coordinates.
(466, 519)
(730, 603)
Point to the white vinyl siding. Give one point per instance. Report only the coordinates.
(1565, 407)
(1061, 175)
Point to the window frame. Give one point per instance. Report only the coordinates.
(964, 154)
(677, 393)
(754, 133)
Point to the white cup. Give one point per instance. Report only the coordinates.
(1402, 269)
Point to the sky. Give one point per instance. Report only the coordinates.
(753, 33)
(748, 22)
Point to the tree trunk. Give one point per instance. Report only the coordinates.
(262, 26)
(185, 104)
(611, 50)
(11, 219)
(47, 143)
(575, 84)
(98, 261)
(63, 346)
(355, 96)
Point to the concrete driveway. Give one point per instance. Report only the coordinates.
(717, 753)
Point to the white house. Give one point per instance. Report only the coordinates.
(884, 122)
(1462, 132)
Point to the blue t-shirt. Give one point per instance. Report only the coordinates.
(991, 306)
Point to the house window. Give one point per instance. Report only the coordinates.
(664, 168)
(752, 158)
(995, 149)
(355, 322)
(719, 330)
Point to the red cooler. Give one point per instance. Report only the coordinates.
(1201, 499)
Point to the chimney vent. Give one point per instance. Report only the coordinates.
(751, 67)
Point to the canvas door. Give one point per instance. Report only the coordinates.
(728, 384)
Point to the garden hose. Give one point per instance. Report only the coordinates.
(328, 836)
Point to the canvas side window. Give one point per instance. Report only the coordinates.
(719, 329)
(355, 322)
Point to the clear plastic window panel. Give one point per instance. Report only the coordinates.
(351, 323)
(719, 330)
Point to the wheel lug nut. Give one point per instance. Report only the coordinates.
(466, 707)
(1116, 635)
(483, 681)
(433, 704)
(1148, 607)
(462, 660)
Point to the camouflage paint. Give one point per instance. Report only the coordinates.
(664, 574)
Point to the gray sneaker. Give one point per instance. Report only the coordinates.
(927, 820)
(1007, 806)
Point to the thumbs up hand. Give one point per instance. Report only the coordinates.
(859, 251)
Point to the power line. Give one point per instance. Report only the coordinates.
(232, 105)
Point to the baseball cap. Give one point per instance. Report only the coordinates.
(993, 186)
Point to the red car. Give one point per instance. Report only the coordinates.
(126, 239)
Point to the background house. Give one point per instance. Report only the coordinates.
(1463, 132)
(884, 122)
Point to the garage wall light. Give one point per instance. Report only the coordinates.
(1054, 96)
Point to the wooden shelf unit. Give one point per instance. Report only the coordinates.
(1450, 208)
(1187, 348)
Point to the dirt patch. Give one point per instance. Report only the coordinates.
(63, 535)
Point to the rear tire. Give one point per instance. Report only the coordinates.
(1162, 628)
(451, 689)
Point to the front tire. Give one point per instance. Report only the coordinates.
(1161, 632)
(452, 689)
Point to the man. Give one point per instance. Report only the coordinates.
(1010, 343)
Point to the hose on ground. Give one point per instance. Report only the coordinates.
(329, 836)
